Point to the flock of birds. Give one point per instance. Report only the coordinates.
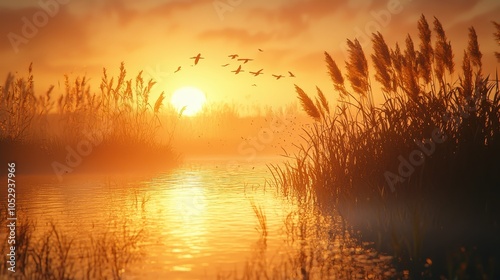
(239, 69)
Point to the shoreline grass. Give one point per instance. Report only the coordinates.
(112, 127)
(445, 201)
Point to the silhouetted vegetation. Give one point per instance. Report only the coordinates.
(52, 253)
(118, 122)
(418, 173)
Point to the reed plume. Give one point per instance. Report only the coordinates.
(410, 70)
(497, 37)
(323, 101)
(382, 62)
(308, 104)
(357, 68)
(443, 55)
(473, 51)
(335, 75)
(426, 53)
(466, 81)
(159, 102)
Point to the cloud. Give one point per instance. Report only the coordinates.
(297, 15)
(19, 30)
(241, 36)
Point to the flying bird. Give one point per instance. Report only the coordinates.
(178, 69)
(260, 50)
(238, 70)
(197, 58)
(254, 85)
(291, 74)
(233, 56)
(278, 76)
(225, 65)
(257, 73)
(245, 59)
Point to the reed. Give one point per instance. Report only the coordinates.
(316, 247)
(54, 254)
(119, 116)
(353, 146)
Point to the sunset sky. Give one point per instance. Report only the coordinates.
(80, 37)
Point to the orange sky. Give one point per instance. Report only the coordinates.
(83, 36)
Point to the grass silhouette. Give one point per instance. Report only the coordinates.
(442, 199)
(119, 118)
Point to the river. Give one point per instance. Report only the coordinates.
(196, 221)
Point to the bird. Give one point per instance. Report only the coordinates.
(257, 73)
(291, 74)
(178, 69)
(225, 65)
(278, 76)
(238, 70)
(197, 58)
(254, 85)
(260, 50)
(233, 56)
(245, 59)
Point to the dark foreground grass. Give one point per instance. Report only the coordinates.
(417, 174)
(108, 129)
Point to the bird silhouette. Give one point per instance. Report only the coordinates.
(260, 50)
(278, 76)
(245, 60)
(197, 58)
(257, 73)
(291, 74)
(238, 70)
(225, 65)
(233, 56)
(254, 85)
(178, 69)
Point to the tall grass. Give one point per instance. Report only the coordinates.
(52, 253)
(351, 163)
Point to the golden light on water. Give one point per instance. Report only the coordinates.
(190, 98)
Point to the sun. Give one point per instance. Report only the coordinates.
(190, 98)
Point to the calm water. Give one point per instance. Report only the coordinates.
(197, 220)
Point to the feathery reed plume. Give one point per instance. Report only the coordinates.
(357, 67)
(322, 99)
(320, 108)
(182, 111)
(159, 103)
(474, 53)
(335, 75)
(497, 37)
(382, 62)
(397, 62)
(443, 52)
(308, 104)
(466, 82)
(410, 70)
(426, 53)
